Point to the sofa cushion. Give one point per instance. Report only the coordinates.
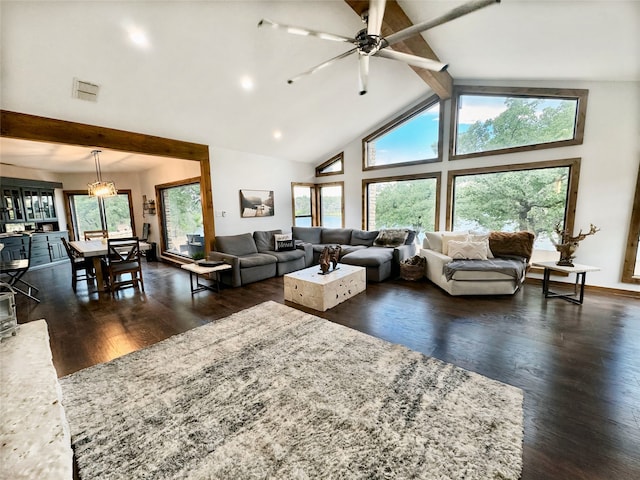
(256, 260)
(481, 237)
(433, 240)
(339, 236)
(346, 249)
(468, 250)
(362, 237)
(283, 242)
(512, 243)
(369, 257)
(264, 239)
(452, 237)
(238, 245)
(391, 238)
(411, 237)
(307, 234)
(287, 255)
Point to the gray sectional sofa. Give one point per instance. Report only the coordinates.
(254, 256)
(358, 247)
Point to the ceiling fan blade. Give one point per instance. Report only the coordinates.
(322, 65)
(374, 17)
(414, 60)
(305, 31)
(452, 15)
(363, 73)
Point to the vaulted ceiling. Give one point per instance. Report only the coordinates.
(185, 83)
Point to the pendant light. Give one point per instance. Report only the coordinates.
(100, 188)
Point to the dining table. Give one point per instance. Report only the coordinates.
(97, 250)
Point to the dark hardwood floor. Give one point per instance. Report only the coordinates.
(579, 366)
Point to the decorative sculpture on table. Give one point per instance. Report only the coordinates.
(568, 244)
(329, 256)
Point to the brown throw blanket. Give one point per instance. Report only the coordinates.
(513, 266)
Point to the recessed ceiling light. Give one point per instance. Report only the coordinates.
(137, 36)
(277, 134)
(246, 83)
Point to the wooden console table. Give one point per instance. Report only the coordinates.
(198, 270)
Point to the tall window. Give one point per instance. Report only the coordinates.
(331, 204)
(409, 201)
(535, 197)
(414, 137)
(492, 120)
(113, 214)
(318, 204)
(303, 204)
(181, 218)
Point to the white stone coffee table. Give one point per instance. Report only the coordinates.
(310, 288)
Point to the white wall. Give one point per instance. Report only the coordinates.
(609, 168)
(233, 171)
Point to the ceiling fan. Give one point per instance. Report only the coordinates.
(368, 41)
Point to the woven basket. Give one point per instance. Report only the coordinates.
(413, 268)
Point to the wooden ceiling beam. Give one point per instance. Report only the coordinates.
(395, 20)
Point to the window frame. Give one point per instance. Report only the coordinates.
(399, 178)
(572, 184)
(403, 118)
(71, 217)
(160, 212)
(581, 95)
(328, 163)
(316, 201)
(313, 207)
(631, 251)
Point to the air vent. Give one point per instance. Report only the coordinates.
(85, 90)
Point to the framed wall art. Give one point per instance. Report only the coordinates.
(256, 203)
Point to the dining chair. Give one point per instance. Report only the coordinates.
(14, 270)
(123, 259)
(95, 234)
(81, 268)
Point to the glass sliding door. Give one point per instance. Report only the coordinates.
(113, 214)
(181, 215)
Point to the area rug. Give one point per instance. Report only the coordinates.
(275, 393)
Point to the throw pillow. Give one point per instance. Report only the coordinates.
(391, 238)
(283, 242)
(433, 240)
(512, 243)
(481, 237)
(452, 237)
(467, 250)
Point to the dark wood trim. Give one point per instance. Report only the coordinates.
(318, 189)
(631, 251)
(562, 93)
(395, 20)
(73, 235)
(332, 160)
(22, 182)
(403, 118)
(399, 178)
(34, 128)
(160, 209)
(314, 212)
(574, 176)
